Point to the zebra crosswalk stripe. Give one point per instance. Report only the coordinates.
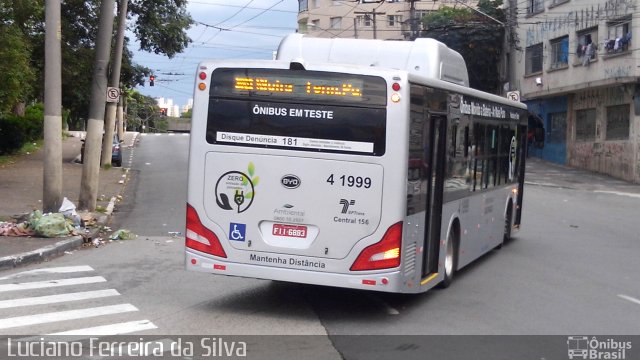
(53, 270)
(51, 283)
(51, 317)
(54, 299)
(111, 329)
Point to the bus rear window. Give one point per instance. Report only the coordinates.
(272, 109)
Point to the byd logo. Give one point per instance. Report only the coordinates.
(290, 181)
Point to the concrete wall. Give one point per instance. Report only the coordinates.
(618, 158)
(607, 80)
(572, 18)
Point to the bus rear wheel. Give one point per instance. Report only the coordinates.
(450, 260)
(507, 225)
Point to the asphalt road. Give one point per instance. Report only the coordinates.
(572, 269)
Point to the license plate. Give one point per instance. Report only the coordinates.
(298, 231)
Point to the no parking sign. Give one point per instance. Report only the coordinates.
(113, 94)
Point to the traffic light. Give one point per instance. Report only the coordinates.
(151, 80)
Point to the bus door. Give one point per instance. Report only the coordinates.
(522, 155)
(435, 146)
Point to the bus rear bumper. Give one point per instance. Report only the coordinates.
(391, 281)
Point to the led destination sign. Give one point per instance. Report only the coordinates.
(291, 85)
(298, 85)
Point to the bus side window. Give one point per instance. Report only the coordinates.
(454, 140)
(466, 141)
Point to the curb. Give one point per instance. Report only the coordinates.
(69, 243)
(41, 254)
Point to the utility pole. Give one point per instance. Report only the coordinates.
(91, 166)
(116, 65)
(52, 167)
(355, 28)
(412, 16)
(373, 16)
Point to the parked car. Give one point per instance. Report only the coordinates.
(116, 152)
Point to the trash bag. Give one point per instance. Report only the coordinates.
(68, 209)
(123, 234)
(50, 225)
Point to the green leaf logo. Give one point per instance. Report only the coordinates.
(251, 169)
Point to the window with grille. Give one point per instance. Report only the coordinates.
(586, 125)
(618, 122)
(394, 20)
(557, 127)
(364, 20)
(535, 6)
(560, 52)
(618, 36)
(533, 61)
(303, 5)
(587, 48)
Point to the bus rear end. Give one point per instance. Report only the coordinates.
(286, 177)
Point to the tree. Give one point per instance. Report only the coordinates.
(476, 37)
(186, 114)
(141, 111)
(161, 24)
(16, 73)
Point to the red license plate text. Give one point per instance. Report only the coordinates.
(298, 231)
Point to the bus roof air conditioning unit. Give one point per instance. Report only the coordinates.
(423, 56)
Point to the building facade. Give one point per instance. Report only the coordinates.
(575, 64)
(366, 19)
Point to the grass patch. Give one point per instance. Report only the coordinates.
(101, 209)
(28, 148)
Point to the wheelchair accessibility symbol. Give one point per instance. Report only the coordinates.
(237, 232)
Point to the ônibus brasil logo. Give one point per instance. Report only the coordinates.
(583, 347)
(238, 186)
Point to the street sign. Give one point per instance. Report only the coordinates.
(513, 95)
(113, 94)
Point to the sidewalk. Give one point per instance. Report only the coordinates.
(21, 193)
(542, 173)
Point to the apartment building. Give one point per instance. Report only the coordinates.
(575, 64)
(366, 19)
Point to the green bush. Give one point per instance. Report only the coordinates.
(12, 134)
(15, 131)
(34, 122)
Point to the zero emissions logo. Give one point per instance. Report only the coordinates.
(235, 190)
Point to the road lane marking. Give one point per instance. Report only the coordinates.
(54, 270)
(54, 299)
(45, 318)
(112, 329)
(629, 298)
(618, 193)
(51, 283)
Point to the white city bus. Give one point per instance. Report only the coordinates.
(351, 163)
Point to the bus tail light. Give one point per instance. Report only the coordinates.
(199, 237)
(382, 255)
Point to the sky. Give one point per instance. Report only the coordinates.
(255, 28)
